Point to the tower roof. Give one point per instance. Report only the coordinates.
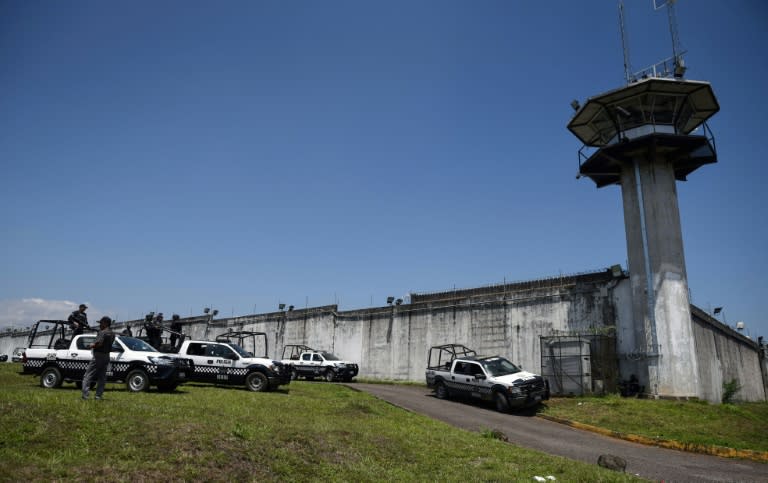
(653, 105)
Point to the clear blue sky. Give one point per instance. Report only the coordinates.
(181, 154)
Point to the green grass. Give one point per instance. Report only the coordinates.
(739, 426)
(309, 432)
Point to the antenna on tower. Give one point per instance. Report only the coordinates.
(677, 51)
(671, 67)
(624, 43)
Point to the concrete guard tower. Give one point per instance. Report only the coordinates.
(644, 137)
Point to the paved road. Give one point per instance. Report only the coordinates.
(531, 432)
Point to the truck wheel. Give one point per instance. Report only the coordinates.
(50, 378)
(294, 374)
(330, 376)
(257, 382)
(137, 381)
(502, 403)
(441, 392)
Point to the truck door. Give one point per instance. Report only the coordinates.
(305, 364)
(204, 371)
(461, 378)
(465, 378)
(223, 360)
(117, 368)
(79, 354)
(480, 387)
(310, 364)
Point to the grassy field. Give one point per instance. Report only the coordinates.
(309, 432)
(738, 426)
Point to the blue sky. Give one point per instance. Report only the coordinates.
(174, 155)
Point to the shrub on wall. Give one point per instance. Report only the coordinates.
(729, 390)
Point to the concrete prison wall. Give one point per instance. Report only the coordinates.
(725, 355)
(513, 320)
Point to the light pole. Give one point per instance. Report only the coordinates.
(210, 313)
(282, 322)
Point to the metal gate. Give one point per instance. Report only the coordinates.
(579, 365)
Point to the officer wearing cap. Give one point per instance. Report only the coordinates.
(97, 368)
(78, 320)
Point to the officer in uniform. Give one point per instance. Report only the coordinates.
(78, 321)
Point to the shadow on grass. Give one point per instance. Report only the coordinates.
(283, 390)
(527, 412)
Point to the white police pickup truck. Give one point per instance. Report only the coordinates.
(226, 361)
(455, 370)
(306, 362)
(57, 357)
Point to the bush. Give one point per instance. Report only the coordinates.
(729, 390)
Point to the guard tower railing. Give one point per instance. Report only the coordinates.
(585, 151)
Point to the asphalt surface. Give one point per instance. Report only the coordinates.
(526, 430)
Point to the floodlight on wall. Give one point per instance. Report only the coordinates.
(205, 311)
(281, 306)
(398, 301)
(717, 310)
(616, 271)
(215, 312)
(290, 308)
(739, 325)
(390, 300)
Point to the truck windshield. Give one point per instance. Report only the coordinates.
(330, 357)
(136, 344)
(498, 366)
(242, 352)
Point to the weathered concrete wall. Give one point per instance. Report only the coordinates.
(391, 343)
(725, 355)
(509, 319)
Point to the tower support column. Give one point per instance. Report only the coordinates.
(664, 355)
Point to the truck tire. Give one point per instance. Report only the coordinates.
(137, 381)
(330, 376)
(441, 392)
(501, 401)
(257, 382)
(51, 378)
(294, 374)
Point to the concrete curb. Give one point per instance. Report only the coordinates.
(759, 456)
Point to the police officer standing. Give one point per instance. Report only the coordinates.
(175, 329)
(78, 320)
(155, 331)
(97, 368)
